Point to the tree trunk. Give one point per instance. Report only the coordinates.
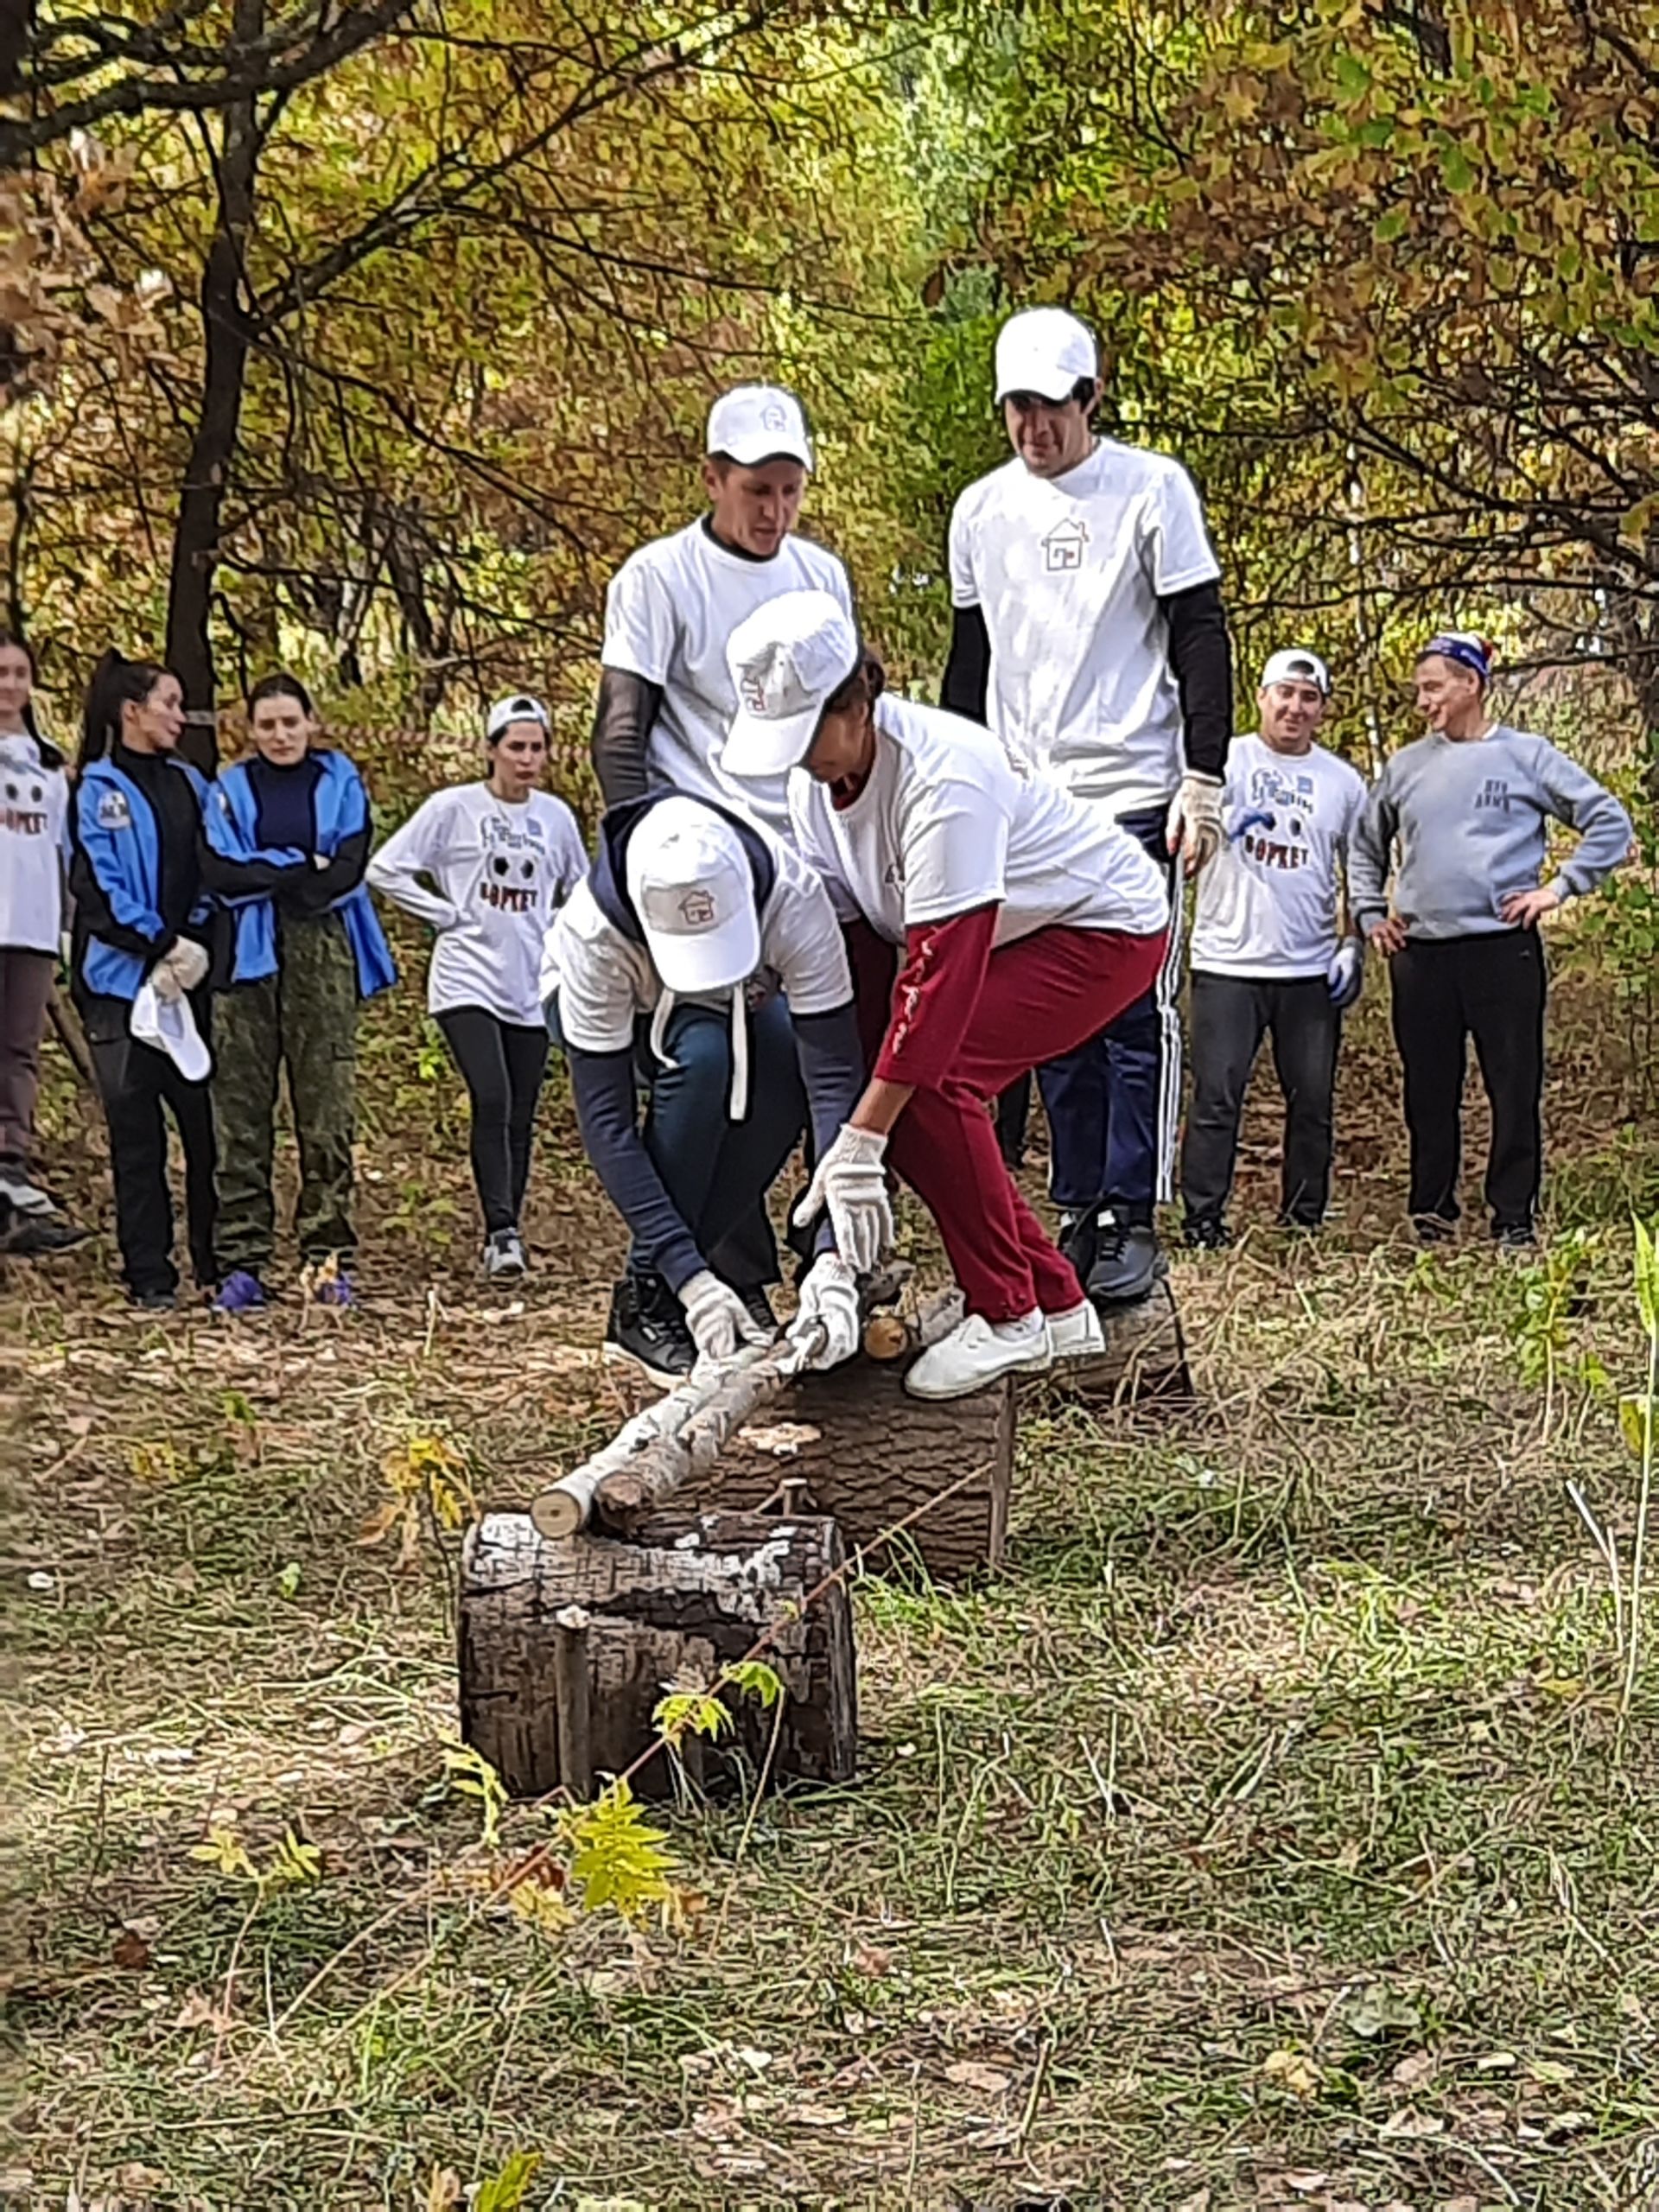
(693, 1594)
(225, 333)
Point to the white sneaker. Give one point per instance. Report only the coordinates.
(976, 1352)
(504, 1254)
(1076, 1334)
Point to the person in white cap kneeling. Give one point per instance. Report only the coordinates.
(486, 864)
(994, 922)
(1089, 634)
(1270, 955)
(702, 953)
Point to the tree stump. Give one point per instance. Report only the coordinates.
(1145, 1357)
(582, 1636)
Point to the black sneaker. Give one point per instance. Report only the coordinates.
(758, 1306)
(1128, 1262)
(648, 1327)
(29, 1236)
(1433, 1228)
(155, 1301)
(1205, 1232)
(1515, 1236)
(1076, 1238)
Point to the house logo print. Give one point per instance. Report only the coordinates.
(697, 909)
(1063, 549)
(773, 418)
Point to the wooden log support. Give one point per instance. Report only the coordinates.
(690, 1594)
(1145, 1357)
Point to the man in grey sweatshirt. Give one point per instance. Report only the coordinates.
(1469, 805)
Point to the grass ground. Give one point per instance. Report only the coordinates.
(1265, 1835)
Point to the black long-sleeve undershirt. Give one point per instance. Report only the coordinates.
(623, 719)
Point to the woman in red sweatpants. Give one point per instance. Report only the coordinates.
(1017, 922)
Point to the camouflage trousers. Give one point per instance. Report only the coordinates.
(304, 1015)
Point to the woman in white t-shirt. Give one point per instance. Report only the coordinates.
(34, 810)
(486, 864)
(1020, 922)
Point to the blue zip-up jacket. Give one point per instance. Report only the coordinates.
(116, 832)
(231, 821)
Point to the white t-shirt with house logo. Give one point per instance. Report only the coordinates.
(1067, 573)
(1267, 903)
(670, 610)
(951, 821)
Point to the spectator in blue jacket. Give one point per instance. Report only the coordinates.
(143, 916)
(288, 835)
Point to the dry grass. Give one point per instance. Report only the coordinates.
(1264, 1836)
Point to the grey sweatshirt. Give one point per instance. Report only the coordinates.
(1471, 819)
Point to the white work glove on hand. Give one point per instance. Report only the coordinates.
(717, 1317)
(1193, 829)
(851, 1181)
(180, 967)
(829, 1298)
(1345, 977)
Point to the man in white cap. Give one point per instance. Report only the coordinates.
(1090, 635)
(666, 698)
(704, 953)
(993, 921)
(1269, 955)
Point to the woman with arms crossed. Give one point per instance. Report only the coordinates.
(1019, 921)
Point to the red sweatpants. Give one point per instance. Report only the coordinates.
(1044, 995)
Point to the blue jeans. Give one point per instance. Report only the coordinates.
(717, 1171)
(1114, 1104)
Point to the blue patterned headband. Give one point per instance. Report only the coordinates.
(1468, 651)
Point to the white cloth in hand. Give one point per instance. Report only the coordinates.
(852, 1182)
(1194, 828)
(829, 1300)
(717, 1317)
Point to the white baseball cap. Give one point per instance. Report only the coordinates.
(785, 660)
(753, 423)
(693, 889)
(1044, 350)
(1295, 664)
(520, 708)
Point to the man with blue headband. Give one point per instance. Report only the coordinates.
(1469, 805)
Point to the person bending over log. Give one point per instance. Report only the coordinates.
(486, 864)
(702, 957)
(287, 834)
(1020, 922)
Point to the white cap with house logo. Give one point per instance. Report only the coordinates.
(785, 660)
(1295, 664)
(520, 708)
(753, 423)
(1044, 350)
(693, 889)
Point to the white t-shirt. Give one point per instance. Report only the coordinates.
(669, 612)
(501, 870)
(606, 981)
(1068, 573)
(34, 813)
(950, 820)
(1267, 903)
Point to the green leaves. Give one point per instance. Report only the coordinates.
(1647, 1275)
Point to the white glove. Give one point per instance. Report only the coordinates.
(180, 967)
(829, 1298)
(1193, 829)
(1346, 974)
(717, 1317)
(851, 1181)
